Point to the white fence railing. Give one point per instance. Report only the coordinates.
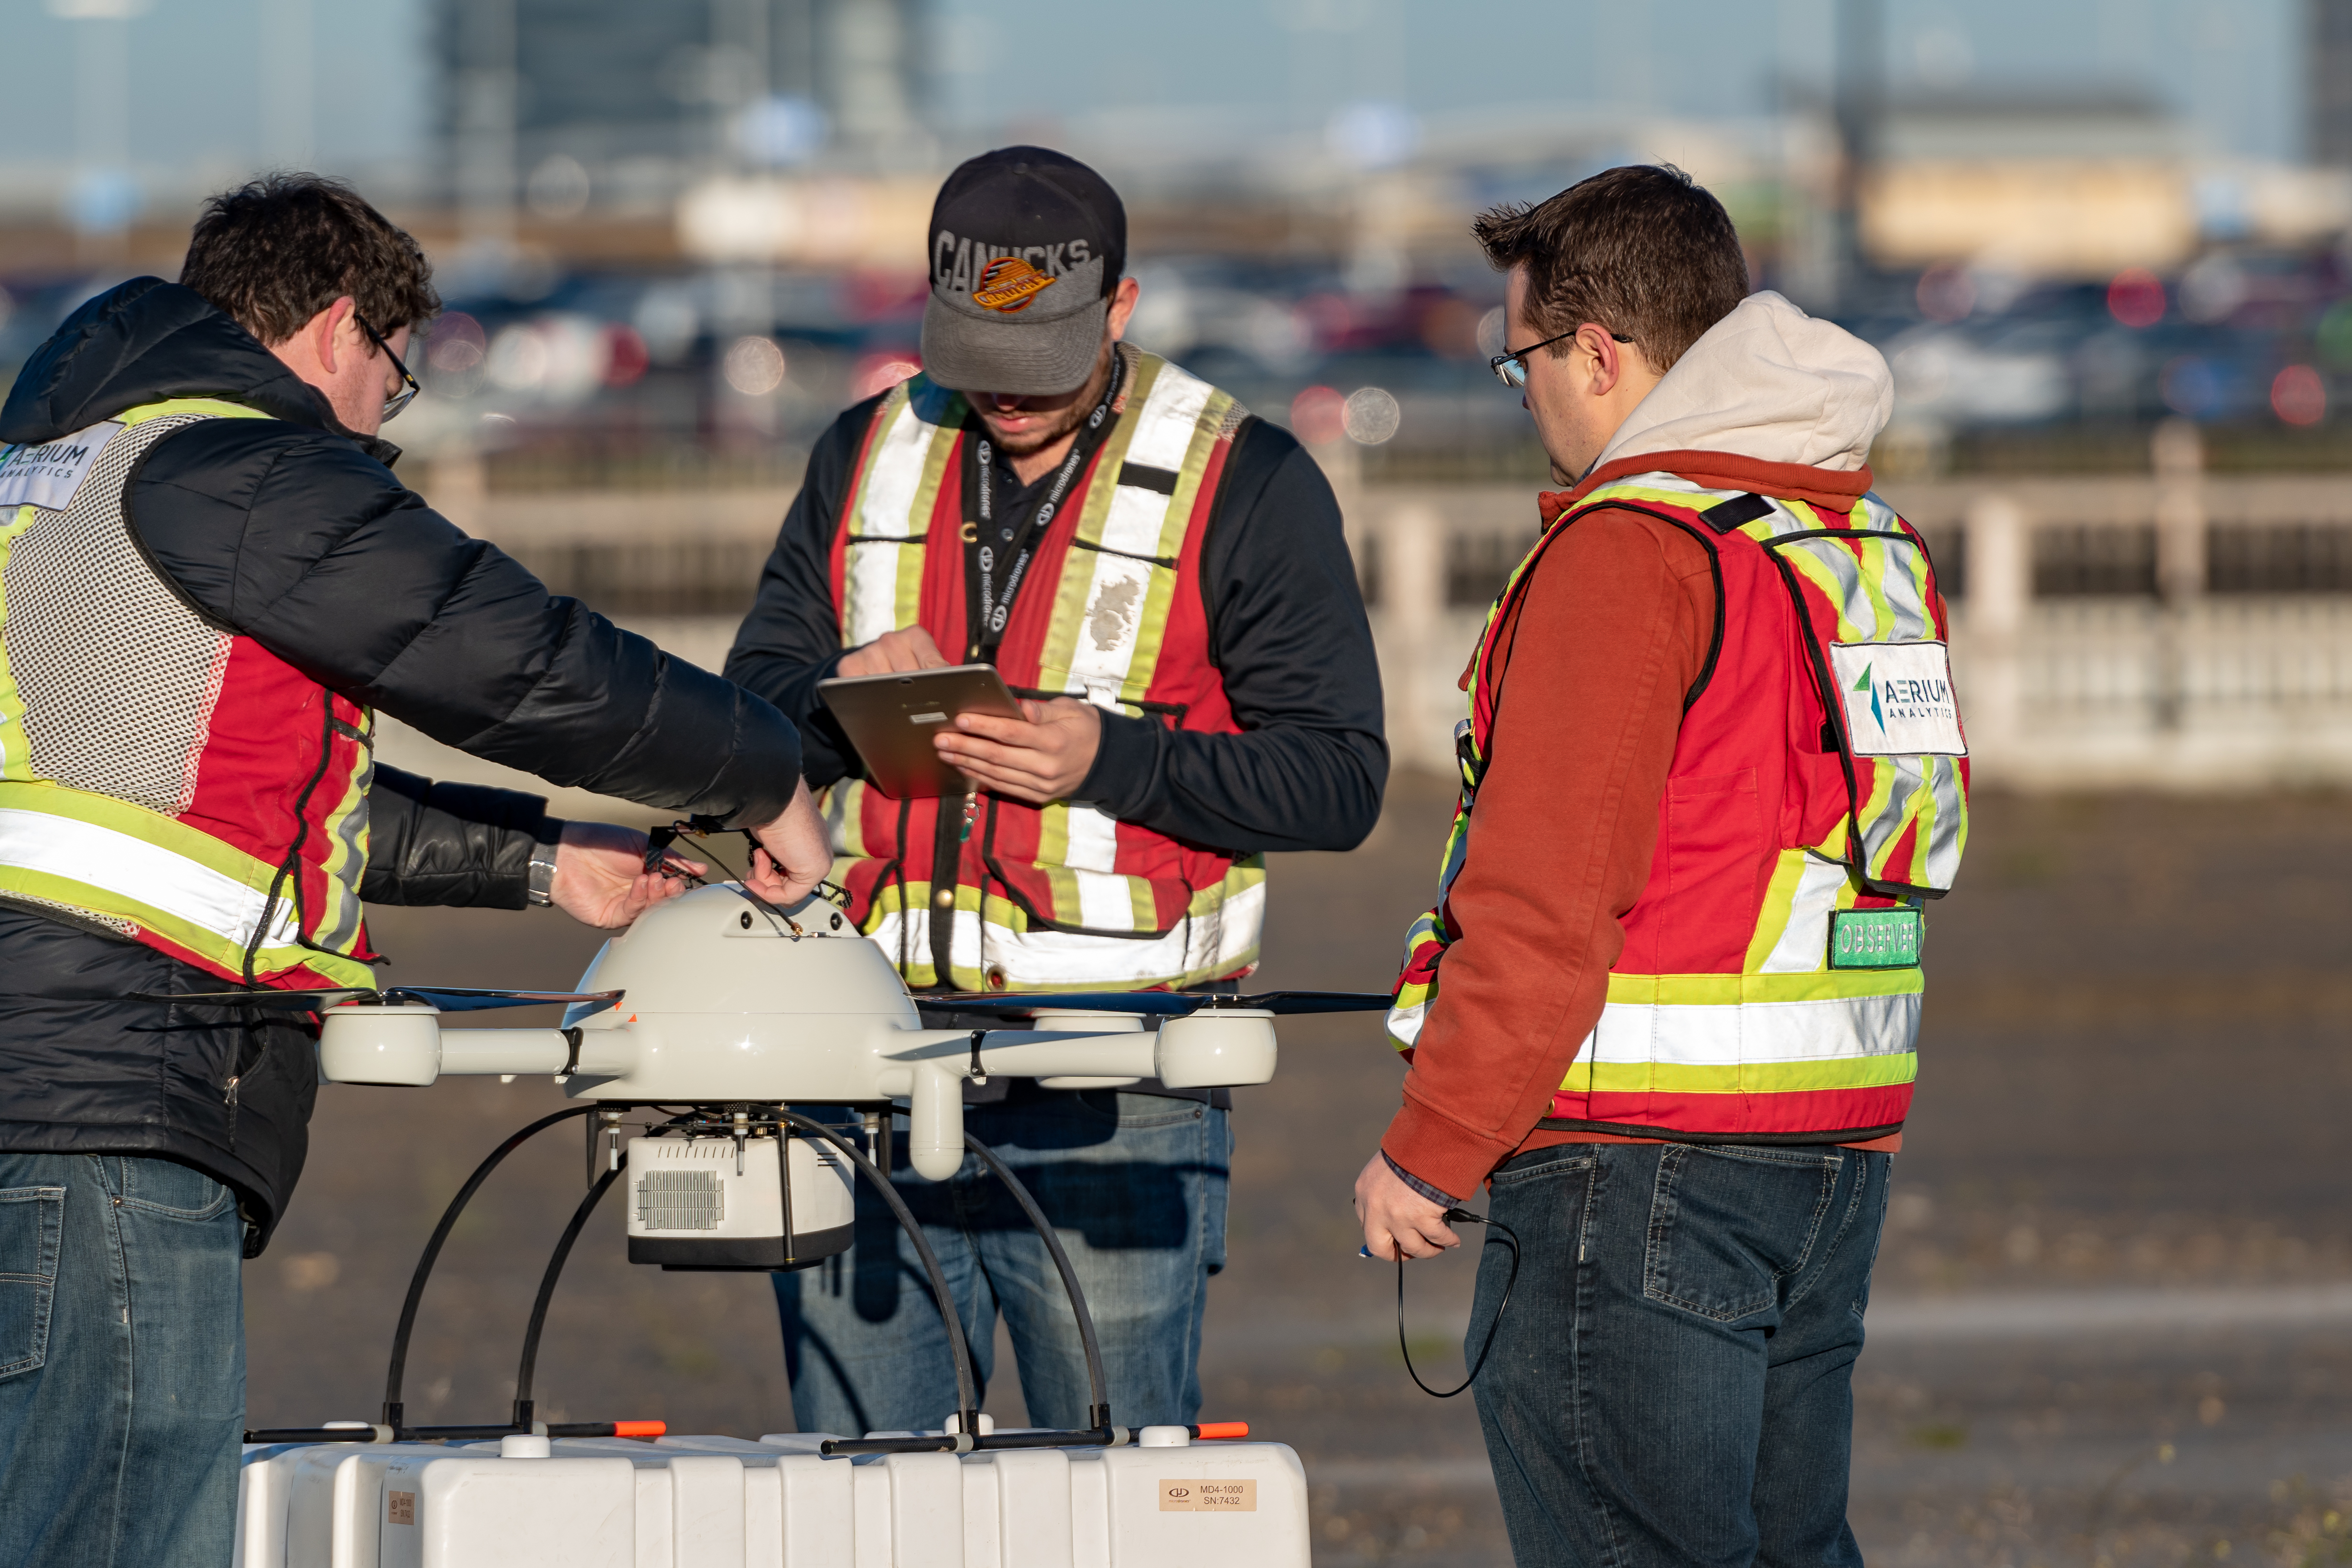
(2173, 688)
(2149, 680)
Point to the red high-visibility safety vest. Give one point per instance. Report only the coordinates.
(1769, 986)
(1063, 896)
(159, 777)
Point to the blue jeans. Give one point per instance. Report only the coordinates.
(1134, 1187)
(122, 1363)
(1672, 1383)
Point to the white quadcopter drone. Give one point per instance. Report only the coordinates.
(719, 1012)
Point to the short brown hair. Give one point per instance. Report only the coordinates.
(276, 251)
(1640, 250)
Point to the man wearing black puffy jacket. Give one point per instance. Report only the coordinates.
(210, 582)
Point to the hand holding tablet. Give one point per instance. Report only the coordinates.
(891, 718)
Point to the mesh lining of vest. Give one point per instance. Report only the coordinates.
(72, 913)
(118, 676)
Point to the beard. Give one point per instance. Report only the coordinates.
(1066, 419)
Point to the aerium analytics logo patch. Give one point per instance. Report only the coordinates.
(48, 474)
(1898, 699)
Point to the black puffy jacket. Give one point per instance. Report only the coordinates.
(294, 532)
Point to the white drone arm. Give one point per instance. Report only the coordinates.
(926, 1068)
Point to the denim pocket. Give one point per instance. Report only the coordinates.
(32, 1219)
(1570, 1159)
(1728, 1226)
(171, 1191)
(1111, 1108)
(1862, 1302)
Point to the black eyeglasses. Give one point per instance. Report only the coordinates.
(408, 387)
(1511, 369)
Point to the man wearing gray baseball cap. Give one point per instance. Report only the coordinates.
(1162, 579)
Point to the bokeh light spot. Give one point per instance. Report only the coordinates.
(2191, 387)
(1371, 415)
(627, 357)
(2136, 298)
(880, 373)
(1947, 293)
(1319, 415)
(2298, 396)
(754, 366)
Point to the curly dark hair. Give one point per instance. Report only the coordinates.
(277, 250)
(1638, 249)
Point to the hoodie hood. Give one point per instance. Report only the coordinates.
(1767, 383)
(144, 341)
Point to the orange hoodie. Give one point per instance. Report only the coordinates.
(1613, 630)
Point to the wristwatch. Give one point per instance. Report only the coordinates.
(543, 875)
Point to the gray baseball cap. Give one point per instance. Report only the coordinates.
(1026, 246)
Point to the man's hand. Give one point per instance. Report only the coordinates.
(1397, 1219)
(1040, 758)
(600, 878)
(893, 653)
(795, 852)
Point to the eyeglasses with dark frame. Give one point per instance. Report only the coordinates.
(1511, 369)
(408, 387)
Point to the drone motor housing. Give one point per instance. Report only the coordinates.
(711, 1203)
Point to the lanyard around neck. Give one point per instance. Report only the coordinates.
(1001, 547)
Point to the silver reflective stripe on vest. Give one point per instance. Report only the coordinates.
(886, 545)
(1752, 1033)
(100, 857)
(1135, 526)
(1117, 594)
(1202, 947)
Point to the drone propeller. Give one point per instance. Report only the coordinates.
(447, 998)
(1165, 1004)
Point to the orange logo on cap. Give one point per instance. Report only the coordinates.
(1008, 283)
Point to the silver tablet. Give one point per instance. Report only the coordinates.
(890, 718)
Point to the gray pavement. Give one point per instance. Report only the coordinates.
(2112, 1319)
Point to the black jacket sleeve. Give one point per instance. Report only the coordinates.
(792, 638)
(1286, 628)
(304, 543)
(465, 844)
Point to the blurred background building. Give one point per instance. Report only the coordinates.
(677, 239)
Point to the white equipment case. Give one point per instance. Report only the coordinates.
(726, 1502)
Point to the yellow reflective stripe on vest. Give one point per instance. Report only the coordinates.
(1108, 618)
(90, 851)
(1880, 594)
(896, 495)
(15, 746)
(1673, 1033)
(340, 924)
(1220, 937)
(1792, 930)
(1110, 615)
(210, 407)
(1103, 641)
(119, 859)
(1728, 991)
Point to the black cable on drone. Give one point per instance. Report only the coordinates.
(524, 1407)
(657, 844)
(1510, 1239)
(394, 1413)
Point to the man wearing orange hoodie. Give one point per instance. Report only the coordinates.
(1668, 1000)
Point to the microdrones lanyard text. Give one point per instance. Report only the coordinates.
(1012, 540)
